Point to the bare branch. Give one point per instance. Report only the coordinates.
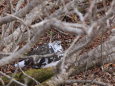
(86, 81)
(22, 12)
(12, 79)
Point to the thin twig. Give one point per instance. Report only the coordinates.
(38, 83)
(12, 79)
(67, 52)
(1, 80)
(86, 81)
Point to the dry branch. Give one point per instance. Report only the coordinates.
(86, 81)
(39, 74)
(22, 12)
(88, 28)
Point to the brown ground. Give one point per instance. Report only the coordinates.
(104, 74)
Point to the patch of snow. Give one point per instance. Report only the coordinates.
(20, 64)
(56, 46)
(51, 64)
(46, 61)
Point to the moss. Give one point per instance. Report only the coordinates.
(38, 74)
(41, 74)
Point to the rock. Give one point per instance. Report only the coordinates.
(49, 48)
